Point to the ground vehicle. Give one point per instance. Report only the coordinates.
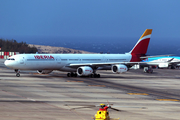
(103, 113)
(148, 70)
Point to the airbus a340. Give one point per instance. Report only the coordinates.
(81, 64)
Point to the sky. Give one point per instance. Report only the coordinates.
(89, 18)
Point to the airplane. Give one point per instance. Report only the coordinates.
(81, 64)
(166, 61)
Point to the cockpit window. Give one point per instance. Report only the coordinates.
(10, 59)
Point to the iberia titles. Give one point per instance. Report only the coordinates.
(43, 57)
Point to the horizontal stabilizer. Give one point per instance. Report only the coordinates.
(144, 57)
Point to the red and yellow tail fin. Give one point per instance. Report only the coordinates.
(142, 45)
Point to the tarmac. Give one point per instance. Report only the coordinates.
(138, 95)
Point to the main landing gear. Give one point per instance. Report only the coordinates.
(95, 75)
(72, 74)
(17, 72)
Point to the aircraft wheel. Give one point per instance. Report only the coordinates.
(75, 75)
(16, 70)
(91, 75)
(68, 74)
(18, 75)
(95, 76)
(173, 67)
(98, 76)
(72, 74)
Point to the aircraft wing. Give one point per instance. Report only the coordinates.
(102, 64)
(125, 63)
(175, 62)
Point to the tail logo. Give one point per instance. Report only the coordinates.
(142, 44)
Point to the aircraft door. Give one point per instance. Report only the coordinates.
(79, 60)
(58, 60)
(104, 59)
(22, 60)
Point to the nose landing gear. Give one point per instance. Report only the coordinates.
(17, 72)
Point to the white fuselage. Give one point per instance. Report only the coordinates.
(82, 64)
(61, 61)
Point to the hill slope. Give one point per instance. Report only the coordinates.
(51, 49)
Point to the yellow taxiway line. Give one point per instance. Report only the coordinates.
(74, 81)
(138, 94)
(167, 100)
(98, 85)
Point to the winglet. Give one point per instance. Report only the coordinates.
(170, 60)
(142, 44)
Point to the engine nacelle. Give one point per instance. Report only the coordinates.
(44, 71)
(84, 71)
(163, 65)
(119, 68)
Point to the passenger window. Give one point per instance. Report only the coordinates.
(10, 59)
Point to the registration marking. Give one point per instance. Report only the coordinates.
(138, 94)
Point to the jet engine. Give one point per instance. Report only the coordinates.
(119, 68)
(84, 71)
(44, 71)
(163, 65)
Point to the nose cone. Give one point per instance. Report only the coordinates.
(6, 63)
